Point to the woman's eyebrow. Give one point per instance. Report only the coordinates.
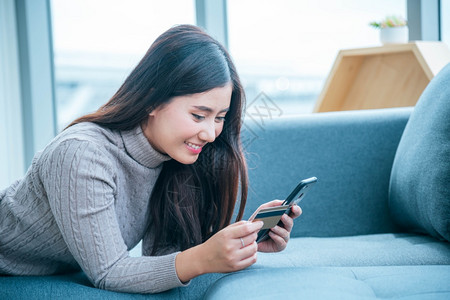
(209, 110)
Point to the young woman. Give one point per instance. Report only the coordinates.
(160, 162)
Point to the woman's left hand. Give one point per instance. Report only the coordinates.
(279, 236)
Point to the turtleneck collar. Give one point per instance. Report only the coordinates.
(140, 149)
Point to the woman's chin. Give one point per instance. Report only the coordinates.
(186, 159)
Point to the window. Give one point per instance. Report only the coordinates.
(445, 21)
(286, 48)
(98, 43)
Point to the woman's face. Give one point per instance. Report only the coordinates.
(187, 123)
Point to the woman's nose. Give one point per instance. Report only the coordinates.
(208, 132)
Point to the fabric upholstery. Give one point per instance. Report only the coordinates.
(363, 250)
(77, 286)
(399, 282)
(351, 154)
(419, 187)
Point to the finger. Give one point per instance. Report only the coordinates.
(280, 242)
(295, 212)
(247, 262)
(288, 222)
(237, 223)
(247, 240)
(281, 232)
(272, 203)
(247, 251)
(244, 229)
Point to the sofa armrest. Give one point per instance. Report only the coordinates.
(351, 153)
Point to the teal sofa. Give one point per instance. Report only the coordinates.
(376, 225)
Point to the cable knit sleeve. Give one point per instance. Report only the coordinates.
(80, 184)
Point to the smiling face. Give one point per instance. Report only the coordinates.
(183, 126)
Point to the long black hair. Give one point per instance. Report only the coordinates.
(189, 203)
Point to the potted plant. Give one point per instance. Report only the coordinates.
(393, 30)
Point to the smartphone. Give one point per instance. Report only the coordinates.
(271, 216)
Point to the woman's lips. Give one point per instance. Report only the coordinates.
(193, 147)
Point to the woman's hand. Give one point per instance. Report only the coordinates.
(231, 249)
(279, 236)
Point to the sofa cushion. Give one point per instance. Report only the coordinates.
(77, 286)
(419, 195)
(405, 282)
(365, 250)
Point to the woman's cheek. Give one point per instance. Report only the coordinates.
(219, 129)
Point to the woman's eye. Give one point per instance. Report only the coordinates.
(198, 117)
(220, 119)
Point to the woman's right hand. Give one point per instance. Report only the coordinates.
(223, 252)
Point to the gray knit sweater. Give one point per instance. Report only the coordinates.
(84, 203)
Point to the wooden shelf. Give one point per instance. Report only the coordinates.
(380, 77)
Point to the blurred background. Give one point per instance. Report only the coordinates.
(282, 48)
(60, 59)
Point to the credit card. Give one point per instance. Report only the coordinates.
(270, 216)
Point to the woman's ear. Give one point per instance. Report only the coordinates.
(153, 112)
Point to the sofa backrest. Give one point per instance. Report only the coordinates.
(351, 154)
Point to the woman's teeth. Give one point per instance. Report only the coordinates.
(193, 146)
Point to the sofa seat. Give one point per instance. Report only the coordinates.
(383, 282)
(372, 266)
(77, 286)
(364, 250)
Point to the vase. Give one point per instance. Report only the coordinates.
(394, 35)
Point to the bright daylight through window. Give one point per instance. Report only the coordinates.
(286, 48)
(97, 43)
(283, 49)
